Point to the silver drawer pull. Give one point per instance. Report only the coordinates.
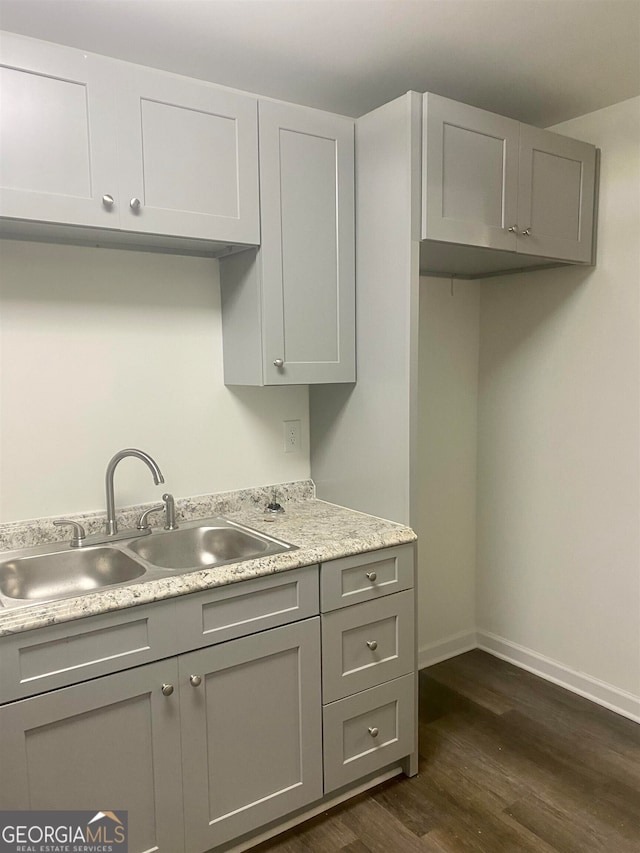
(373, 731)
(372, 645)
(167, 689)
(372, 576)
(195, 680)
(108, 201)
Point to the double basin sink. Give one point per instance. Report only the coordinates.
(46, 573)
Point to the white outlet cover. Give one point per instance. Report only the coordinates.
(292, 433)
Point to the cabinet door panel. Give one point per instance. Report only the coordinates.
(190, 157)
(470, 173)
(556, 195)
(308, 267)
(57, 131)
(117, 739)
(251, 732)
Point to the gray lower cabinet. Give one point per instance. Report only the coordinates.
(288, 310)
(202, 716)
(368, 730)
(251, 734)
(110, 743)
(369, 680)
(199, 749)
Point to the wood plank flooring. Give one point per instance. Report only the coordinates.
(509, 763)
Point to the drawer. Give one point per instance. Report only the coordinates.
(47, 658)
(367, 644)
(364, 577)
(368, 731)
(238, 609)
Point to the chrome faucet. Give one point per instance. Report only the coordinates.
(111, 526)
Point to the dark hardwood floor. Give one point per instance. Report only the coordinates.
(509, 763)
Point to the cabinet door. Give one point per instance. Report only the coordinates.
(251, 732)
(112, 743)
(556, 195)
(189, 155)
(308, 251)
(57, 134)
(470, 175)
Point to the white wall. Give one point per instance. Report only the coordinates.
(447, 417)
(559, 445)
(102, 349)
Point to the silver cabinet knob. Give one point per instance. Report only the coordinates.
(372, 645)
(374, 731)
(135, 204)
(167, 689)
(108, 201)
(526, 232)
(512, 229)
(372, 576)
(278, 362)
(195, 680)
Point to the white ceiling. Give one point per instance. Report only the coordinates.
(540, 61)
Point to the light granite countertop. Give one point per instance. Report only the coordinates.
(321, 531)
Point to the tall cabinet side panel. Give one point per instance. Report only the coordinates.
(360, 435)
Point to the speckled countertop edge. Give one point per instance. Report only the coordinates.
(321, 531)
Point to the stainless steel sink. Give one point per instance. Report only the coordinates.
(205, 544)
(65, 574)
(49, 572)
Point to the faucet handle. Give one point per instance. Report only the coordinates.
(77, 540)
(143, 523)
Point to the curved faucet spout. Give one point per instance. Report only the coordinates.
(111, 525)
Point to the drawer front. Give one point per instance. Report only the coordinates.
(364, 577)
(47, 658)
(238, 609)
(367, 644)
(368, 731)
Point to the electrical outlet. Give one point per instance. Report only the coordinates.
(291, 436)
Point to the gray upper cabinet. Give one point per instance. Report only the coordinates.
(556, 187)
(58, 137)
(470, 175)
(188, 159)
(288, 310)
(499, 195)
(91, 141)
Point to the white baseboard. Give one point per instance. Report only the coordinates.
(451, 646)
(597, 691)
